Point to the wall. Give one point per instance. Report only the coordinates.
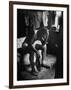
(4, 44)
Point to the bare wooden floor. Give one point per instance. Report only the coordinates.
(44, 73)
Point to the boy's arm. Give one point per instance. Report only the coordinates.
(36, 51)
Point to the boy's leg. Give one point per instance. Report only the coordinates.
(38, 62)
(32, 61)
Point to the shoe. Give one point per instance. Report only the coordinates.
(34, 73)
